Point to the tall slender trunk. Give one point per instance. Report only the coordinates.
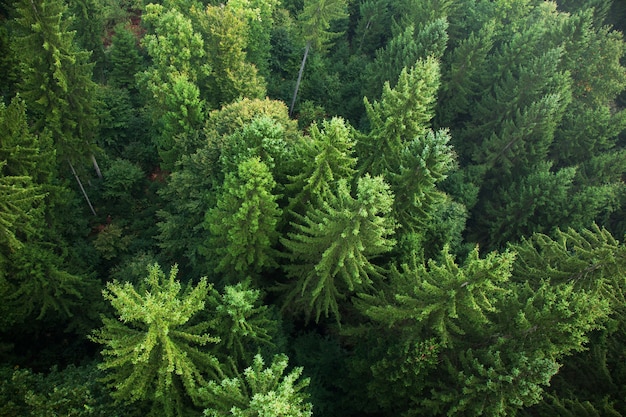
(295, 92)
(80, 184)
(96, 166)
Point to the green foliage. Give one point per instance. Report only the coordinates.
(259, 392)
(188, 194)
(41, 284)
(332, 245)
(123, 58)
(315, 21)
(592, 260)
(57, 83)
(177, 51)
(73, 391)
(328, 159)
(442, 299)
(243, 224)
(403, 51)
(402, 114)
(241, 322)
(225, 32)
(153, 350)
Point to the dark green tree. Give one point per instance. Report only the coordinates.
(244, 325)
(315, 20)
(333, 245)
(57, 84)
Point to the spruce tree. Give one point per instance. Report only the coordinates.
(333, 245)
(243, 224)
(244, 325)
(154, 351)
(259, 392)
(172, 82)
(57, 84)
(402, 114)
(328, 159)
(315, 20)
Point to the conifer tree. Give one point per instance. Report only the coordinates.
(242, 323)
(403, 51)
(188, 193)
(124, 59)
(57, 84)
(315, 20)
(328, 156)
(498, 341)
(35, 275)
(225, 32)
(172, 81)
(332, 247)
(402, 114)
(243, 224)
(153, 351)
(259, 392)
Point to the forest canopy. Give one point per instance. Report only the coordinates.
(312, 208)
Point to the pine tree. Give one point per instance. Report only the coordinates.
(259, 392)
(153, 350)
(243, 224)
(331, 248)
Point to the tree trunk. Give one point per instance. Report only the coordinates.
(295, 92)
(96, 166)
(80, 184)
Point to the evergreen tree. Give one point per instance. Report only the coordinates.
(242, 323)
(123, 58)
(153, 351)
(226, 33)
(315, 20)
(402, 114)
(243, 224)
(36, 280)
(328, 159)
(259, 392)
(497, 341)
(57, 85)
(333, 245)
(172, 81)
(188, 193)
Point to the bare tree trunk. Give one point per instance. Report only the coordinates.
(80, 184)
(295, 92)
(95, 166)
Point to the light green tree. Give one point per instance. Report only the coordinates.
(243, 224)
(259, 392)
(402, 114)
(154, 351)
(225, 31)
(177, 51)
